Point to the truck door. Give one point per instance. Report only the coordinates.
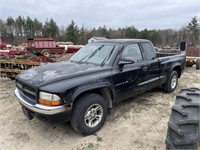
(130, 79)
(153, 75)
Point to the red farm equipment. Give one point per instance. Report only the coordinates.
(3, 44)
(38, 50)
(44, 46)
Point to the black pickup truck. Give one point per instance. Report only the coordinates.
(84, 89)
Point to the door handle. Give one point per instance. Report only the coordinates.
(144, 68)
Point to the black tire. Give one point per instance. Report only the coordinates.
(198, 63)
(167, 86)
(183, 125)
(89, 101)
(46, 53)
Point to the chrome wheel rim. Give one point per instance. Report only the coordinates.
(93, 115)
(173, 82)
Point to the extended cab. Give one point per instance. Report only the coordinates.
(84, 89)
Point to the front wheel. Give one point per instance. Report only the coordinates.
(89, 114)
(171, 82)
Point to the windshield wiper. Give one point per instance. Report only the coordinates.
(90, 55)
(80, 61)
(107, 57)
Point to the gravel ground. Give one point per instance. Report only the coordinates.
(138, 123)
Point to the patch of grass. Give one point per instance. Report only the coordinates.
(99, 139)
(90, 145)
(149, 103)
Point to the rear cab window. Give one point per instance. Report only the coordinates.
(149, 51)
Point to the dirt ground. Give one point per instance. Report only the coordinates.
(138, 123)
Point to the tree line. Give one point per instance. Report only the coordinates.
(16, 31)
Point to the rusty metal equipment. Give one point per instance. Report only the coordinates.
(168, 52)
(38, 50)
(10, 67)
(13, 65)
(193, 56)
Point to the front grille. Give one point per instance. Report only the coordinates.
(27, 91)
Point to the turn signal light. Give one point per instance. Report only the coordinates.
(49, 103)
(49, 99)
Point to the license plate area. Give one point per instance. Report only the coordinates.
(27, 113)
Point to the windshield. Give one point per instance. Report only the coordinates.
(96, 53)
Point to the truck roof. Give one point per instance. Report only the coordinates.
(121, 41)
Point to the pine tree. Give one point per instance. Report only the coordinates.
(195, 29)
(72, 32)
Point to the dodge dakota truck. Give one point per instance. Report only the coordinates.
(85, 89)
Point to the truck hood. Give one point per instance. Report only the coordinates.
(54, 72)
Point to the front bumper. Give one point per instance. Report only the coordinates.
(41, 109)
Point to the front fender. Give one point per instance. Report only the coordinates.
(88, 87)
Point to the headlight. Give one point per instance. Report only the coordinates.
(49, 99)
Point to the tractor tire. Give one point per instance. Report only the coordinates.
(46, 53)
(183, 126)
(89, 114)
(171, 82)
(198, 63)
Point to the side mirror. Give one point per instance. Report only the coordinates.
(125, 61)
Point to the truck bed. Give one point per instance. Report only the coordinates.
(170, 52)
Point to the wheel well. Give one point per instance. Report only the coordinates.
(178, 70)
(105, 92)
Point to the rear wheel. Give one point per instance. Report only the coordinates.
(183, 126)
(198, 63)
(171, 82)
(89, 114)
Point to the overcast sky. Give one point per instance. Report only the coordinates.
(150, 14)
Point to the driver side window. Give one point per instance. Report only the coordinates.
(132, 50)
